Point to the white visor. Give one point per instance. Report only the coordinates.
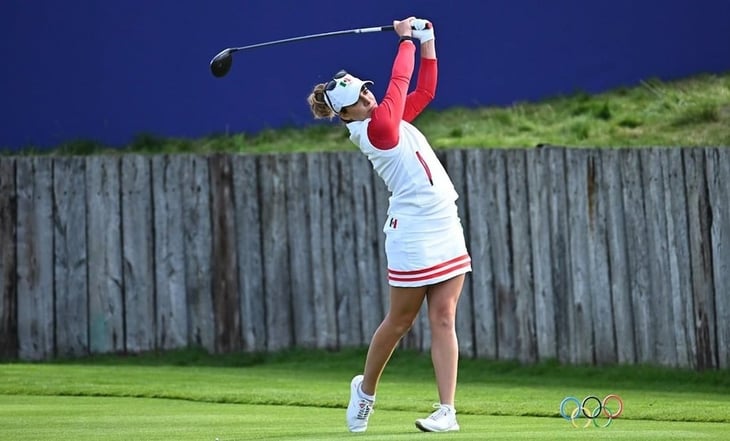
(343, 90)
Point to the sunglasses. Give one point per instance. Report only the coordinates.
(330, 86)
(333, 82)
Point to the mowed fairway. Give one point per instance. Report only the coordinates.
(111, 418)
(302, 396)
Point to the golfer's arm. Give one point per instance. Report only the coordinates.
(383, 130)
(428, 49)
(426, 84)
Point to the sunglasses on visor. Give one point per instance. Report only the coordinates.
(331, 84)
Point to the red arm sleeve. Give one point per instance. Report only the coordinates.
(386, 118)
(425, 89)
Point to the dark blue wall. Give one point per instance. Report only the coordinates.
(108, 71)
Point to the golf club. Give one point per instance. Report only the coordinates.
(221, 63)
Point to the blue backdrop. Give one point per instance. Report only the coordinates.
(107, 71)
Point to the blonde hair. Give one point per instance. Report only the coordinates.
(317, 104)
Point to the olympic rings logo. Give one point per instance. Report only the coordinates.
(593, 409)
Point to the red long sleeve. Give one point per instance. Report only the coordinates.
(397, 103)
(385, 119)
(425, 89)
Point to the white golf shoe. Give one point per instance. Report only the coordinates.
(442, 420)
(359, 409)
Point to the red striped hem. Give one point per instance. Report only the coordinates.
(431, 268)
(431, 272)
(430, 276)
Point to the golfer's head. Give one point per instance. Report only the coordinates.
(344, 95)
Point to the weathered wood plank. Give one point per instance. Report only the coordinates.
(198, 246)
(520, 243)
(538, 185)
(70, 263)
(250, 253)
(34, 183)
(678, 278)
(138, 253)
(637, 255)
(496, 192)
(623, 321)
(581, 306)
(8, 260)
(598, 258)
(321, 252)
(476, 312)
(560, 249)
(654, 173)
(343, 240)
(103, 208)
(367, 228)
(224, 263)
(170, 288)
(699, 216)
(277, 272)
(298, 225)
(664, 343)
(718, 177)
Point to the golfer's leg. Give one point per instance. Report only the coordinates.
(405, 303)
(442, 300)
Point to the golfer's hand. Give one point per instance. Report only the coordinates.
(403, 27)
(422, 29)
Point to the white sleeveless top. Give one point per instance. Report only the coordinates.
(418, 183)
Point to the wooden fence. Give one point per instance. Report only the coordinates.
(585, 256)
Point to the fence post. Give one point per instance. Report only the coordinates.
(171, 315)
(34, 181)
(103, 205)
(70, 254)
(138, 257)
(8, 261)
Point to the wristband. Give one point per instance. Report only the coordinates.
(407, 38)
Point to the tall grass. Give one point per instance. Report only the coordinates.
(690, 112)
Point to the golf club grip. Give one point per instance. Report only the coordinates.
(375, 29)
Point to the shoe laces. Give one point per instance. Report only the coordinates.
(441, 411)
(366, 408)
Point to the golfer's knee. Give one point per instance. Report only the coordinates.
(442, 319)
(400, 325)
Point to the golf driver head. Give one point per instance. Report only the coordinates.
(221, 63)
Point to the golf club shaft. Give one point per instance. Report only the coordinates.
(309, 37)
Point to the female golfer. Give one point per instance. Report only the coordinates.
(425, 246)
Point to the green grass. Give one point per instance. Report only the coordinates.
(690, 112)
(188, 395)
(124, 419)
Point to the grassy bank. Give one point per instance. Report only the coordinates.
(690, 112)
